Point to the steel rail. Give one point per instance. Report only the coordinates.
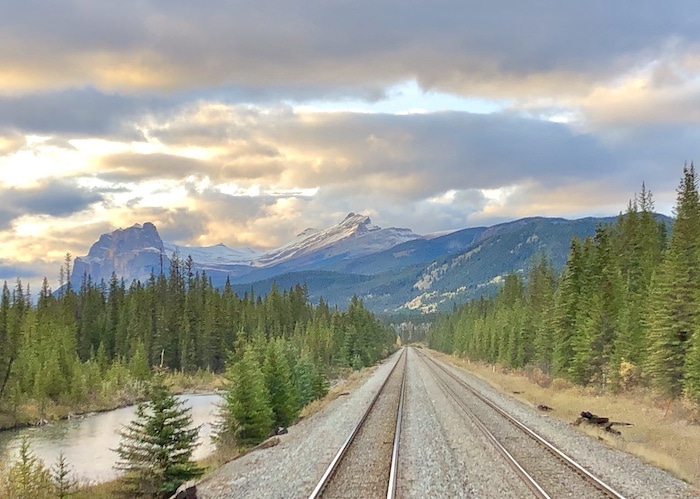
(333, 466)
(587, 475)
(393, 474)
(530, 482)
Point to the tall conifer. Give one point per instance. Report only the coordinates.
(675, 303)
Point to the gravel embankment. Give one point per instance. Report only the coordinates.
(293, 468)
(442, 453)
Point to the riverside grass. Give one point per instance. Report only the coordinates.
(664, 436)
(30, 411)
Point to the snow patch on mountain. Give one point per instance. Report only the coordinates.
(353, 237)
(219, 254)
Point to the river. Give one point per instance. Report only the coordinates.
(87, 442)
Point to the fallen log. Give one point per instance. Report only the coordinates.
(601, 422)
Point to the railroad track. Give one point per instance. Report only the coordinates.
(366, 465)
(540, 465)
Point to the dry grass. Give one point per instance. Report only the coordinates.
(662, 435)
(350, 381)
(199, 382)
(105, 490)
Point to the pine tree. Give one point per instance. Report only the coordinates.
(567, 300)
(675, 304)
(310, 382)
(247, 416)
(284, 398)
(8, 340)
(155, 451)
(63, 483)
(28, 476)
(691, 369)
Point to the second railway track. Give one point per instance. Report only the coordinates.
(548, 472)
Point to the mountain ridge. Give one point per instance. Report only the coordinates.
(392, 270)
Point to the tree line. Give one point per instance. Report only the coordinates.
(624, 312)
(76, 346)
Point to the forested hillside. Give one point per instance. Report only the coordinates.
(625, 311)
(97, 343)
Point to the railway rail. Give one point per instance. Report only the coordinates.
(391, 396)
(534, 464)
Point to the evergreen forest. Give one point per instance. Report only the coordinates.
(624, 313)
(97, 345)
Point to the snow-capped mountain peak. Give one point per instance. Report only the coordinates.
(354, 236)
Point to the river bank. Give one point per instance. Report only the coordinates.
(32, 412)
(346, 381)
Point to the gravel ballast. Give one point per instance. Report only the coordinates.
(294, 466)
(442, 454)
(625, 473)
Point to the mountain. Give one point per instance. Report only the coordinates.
(456, 267)
(354, 237)
(393, 270)
(132, 253)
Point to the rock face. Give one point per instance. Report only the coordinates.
(132, 253)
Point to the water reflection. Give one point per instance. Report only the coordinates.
(87, 442)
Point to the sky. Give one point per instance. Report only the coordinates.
(245, 123)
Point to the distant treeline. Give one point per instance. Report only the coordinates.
(76, 346)
(625, 311)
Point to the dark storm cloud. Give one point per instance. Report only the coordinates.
(337, 44)
(76, 112)
(53, 197)
(10, 270)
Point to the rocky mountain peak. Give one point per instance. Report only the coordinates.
(133, 253)
(134, 238)
(357, 223)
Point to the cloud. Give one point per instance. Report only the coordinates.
(134, 167)
(358, 47)
(6, 218)
(10, 270)
(10, 142)
(403, 156)
(54, 197)
(75, 111)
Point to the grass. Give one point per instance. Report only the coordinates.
(662, 435)
(105, 490)
(30, 411)
(349, 380)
